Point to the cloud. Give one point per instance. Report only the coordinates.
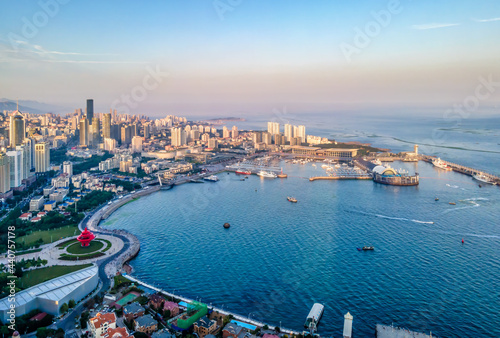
(433, 25)
(93, 61)
(487, 20)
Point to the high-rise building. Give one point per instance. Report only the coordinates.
(256, 137)
(137, 144)
(273, 128)
(68, 168)
(4, 173)
(16, 167)
(96, 132)
(225, 132)
(42, 157)
(234, 132)
(26, 158)
(212, 143)
(288, 132)
(109, 144)
(16, 129)
(301, 132)
(30, 143)
(84, 132)
(126, 134)
(267, 138)
(90, 110)
(146, 131)
(178, 137)
(106, 126)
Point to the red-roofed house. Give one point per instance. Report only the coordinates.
(119, 332)
(38, 317)
(26, 216)
(100, 324)
(36, 219)
(42, 213)
(172, 307)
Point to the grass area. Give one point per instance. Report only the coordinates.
(28, 252)
(64, 244)
(48, 236)
(38, 276)
(78, 249)
(108, 243)
(128, 298)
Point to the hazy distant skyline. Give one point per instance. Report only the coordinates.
(227, 56)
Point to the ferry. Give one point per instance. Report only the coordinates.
(211, 178)
(266, 174)
(437, 162)
(243, 172)
(292, 199)
(483, 178)
(314, 317)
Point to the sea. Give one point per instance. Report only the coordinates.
(279, 258)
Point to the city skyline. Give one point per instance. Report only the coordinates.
(248, 58)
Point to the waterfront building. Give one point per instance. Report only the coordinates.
(136, 144)
(42, 157)
(267, 138)
(172, 307)
(295, 141)
(100, 324)
(51, 295)
(288, 132)
(68, 168)
(118, 332)
(232, 330)
(16, 168)
(301, 132)
(36, 203)
(84, 132)
(4, 173)
(204, 326)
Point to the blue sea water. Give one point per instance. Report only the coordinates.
(278, 258)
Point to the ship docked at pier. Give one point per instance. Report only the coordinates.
(266, 174)
(314, 317)
(438, 163)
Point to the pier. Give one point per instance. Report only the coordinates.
(188, 300)
(363, 177)
(386, 331)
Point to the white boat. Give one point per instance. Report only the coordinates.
(211, 178)
(438, 163)
(267, 174)
(483, 178)
(314, 317)
(377, 162)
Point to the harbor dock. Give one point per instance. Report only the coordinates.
(364, 177)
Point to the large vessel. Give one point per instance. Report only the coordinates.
(211, 178)
(437, 162)
(483, 178)
(243, 172)
(314, 317)
(267, 174)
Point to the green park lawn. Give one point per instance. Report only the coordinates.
(48, 236)
(77, 249)
(38, 276)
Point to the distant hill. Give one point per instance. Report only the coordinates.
(27, 106)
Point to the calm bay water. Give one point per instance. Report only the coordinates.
(278, 258)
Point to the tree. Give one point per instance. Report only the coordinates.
(265, 327)
(166, 314)
(4, 330)
(277, 329)
(140, 335)
(64, 308)
(71, 303)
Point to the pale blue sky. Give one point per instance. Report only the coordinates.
(256, 56)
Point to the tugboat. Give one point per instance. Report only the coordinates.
(291, 199)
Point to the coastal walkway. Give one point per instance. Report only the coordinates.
(464, 170)
(386, 331)
(224, 312)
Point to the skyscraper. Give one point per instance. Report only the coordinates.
(301, 132)
(126, 134)
(90, 109)
(273, 128)
(16, 167)
(137, 144)
(146, 131)
(178, 137)
(68, 168)
(288, 131)
(16, 130)
(84, 132)
(106, 126)
(96, 132)
(42, 157)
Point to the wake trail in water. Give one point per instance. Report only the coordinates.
(397, 218)
(471, 204)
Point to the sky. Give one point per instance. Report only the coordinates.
(237, 57)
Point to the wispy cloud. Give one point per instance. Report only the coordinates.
(434, 25)
(93, 61)
(487, 20)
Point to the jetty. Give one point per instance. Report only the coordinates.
(386, 331)
(361, 177)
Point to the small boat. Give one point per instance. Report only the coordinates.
(436, 199)
(242, 179)
(452, 203)
(268, 174)
(211, 178)
(292, 199)
(366, 248)
(483, 178)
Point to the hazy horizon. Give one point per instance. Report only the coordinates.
(228, 57)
